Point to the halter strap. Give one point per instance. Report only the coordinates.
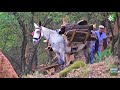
(37, 28)
(39, 36)
(36, 38)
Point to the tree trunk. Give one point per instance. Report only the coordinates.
(111, 30)
(28, 51)
(119, 47)
(24, 42)
(31, 58)
(118, 41)
(115, 32)
(32, 50)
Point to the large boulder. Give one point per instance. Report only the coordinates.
(6, 69)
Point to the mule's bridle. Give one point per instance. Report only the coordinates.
(40, 34)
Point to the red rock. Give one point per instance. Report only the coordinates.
(6, 69)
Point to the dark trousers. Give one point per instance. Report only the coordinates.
(90, 58)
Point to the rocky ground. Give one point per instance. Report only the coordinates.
(96, 70)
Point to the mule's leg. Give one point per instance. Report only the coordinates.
(63, 57)
(58, 58)
(62, 60)
(49, 57)
(86, 56)
(67, 59)
(72, 58)
(54, 59)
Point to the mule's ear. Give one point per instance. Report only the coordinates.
(35, 25)
(39, 23)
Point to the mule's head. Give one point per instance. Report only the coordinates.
(37, 34)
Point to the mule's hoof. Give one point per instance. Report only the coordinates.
(62, 67)
(71, 62)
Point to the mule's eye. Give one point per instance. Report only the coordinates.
(38, 32)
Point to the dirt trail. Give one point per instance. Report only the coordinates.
(96, 70)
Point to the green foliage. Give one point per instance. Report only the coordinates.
(107, 52)
(8, 31)
(75, 65)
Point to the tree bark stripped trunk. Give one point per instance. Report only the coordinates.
(109, 30)
(24, 42)
(28, 51)
(119, 48)
(115, 32)
(32, 50)
(118, 41)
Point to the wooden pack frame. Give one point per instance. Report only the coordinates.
(77, 33)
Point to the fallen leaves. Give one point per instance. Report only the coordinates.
(96, 70)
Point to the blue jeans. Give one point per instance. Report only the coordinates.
(91, 57)
(99, 53)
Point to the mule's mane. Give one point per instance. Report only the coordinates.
(47, 29)
(48, 32)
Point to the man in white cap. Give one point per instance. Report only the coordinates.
(101, 35)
